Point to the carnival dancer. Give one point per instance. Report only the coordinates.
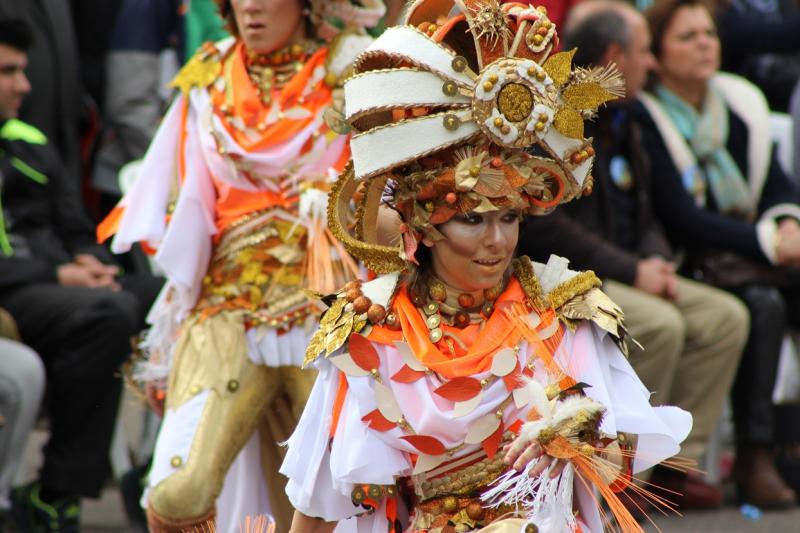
(231, 198)
(462, 389)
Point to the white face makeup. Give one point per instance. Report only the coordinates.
(477, 249)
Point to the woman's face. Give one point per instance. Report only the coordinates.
(690, 50)
(267, 25)
(477, 249)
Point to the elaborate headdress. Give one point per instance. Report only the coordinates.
(465, 108)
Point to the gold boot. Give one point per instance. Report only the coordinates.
(161, 524)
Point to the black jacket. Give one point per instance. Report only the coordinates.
(44, 220)
(55, 103)
(698, 229)
(598, 232)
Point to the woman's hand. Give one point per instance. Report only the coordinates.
(525, 449)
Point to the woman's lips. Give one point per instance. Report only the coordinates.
(488, 262)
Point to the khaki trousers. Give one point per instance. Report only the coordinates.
(692, 347)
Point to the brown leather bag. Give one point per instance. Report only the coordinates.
(728, 270)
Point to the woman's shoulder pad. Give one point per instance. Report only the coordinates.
(340, 320)
(575, 296)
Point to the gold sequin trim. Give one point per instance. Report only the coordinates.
(578, 284)
(380, 259)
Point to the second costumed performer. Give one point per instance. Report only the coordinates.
(462, 389)
(231, 198)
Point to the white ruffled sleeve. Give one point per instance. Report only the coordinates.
(595, 359)
(322, 473)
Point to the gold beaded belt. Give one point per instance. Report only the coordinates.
(448, 497)
(456, 514)
(463, 476)
(258, 266)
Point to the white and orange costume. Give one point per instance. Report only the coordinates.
(231, 200)
(465, 109)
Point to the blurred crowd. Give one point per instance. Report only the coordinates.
(693, 223)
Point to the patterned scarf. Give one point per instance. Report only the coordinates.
(707, 135)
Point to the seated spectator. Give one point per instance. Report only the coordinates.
(794, 111)
(722, 197)
(54, 105)
(134, 103)
(760, 41)
(68, 300)
(693, 334)
(21, 389)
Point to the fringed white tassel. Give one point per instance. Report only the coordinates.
(158, 342)
(547, 501)
(314, 205)
(512, 488)
(551, 506)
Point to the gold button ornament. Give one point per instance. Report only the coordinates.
(450, 88)
(450, 504)
(459, 64)
(451, 122)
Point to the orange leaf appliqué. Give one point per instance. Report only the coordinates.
(459, 389)
(425, 444)
(491, 444)
(363, 353)
(407, 375)
(513, 379)
(377, 421)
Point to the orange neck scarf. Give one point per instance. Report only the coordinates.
(483, 341)
(248, 106)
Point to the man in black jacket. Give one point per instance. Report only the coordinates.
(693, 334)
(55, 105)
(68, 300)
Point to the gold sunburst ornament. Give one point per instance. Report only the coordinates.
(489, 21)
(201, 70)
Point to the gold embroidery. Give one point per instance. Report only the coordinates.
(201, 71)
(578, 298)
(523, 270)
(578, 284)
(380, 259)
(257, 268)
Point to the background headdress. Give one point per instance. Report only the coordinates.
(465, 108)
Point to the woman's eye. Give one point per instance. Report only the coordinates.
(470, 219)
(511, 217)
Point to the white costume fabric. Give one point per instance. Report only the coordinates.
(322, 473)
